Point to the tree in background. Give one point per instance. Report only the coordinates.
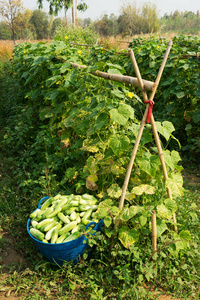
(129, 19)
(24, 28)
(9, 10)
(40, 22)
(5, 31)
(150, 22)
(107, 26)
(56, 5)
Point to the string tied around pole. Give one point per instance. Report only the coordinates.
(151, 103)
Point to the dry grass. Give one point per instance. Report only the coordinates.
(6, 48)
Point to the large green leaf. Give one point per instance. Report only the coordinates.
(114, 191)
(160, 227)
(128, 213)
(101, 121)
(143, 189)
(122, 114)
(171, 205)
(126, 110)
(117, 117)
(92, 165)
(165, 128)
(175, 183)
(196, 114)
(171, 158)
(150, 164)
(128, 236)
(119, 144)
(164, 212)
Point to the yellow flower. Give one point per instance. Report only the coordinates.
(66, 37)
(24, 51)
(57, 82)
(79, 52)
(130, 95)
(158, 47)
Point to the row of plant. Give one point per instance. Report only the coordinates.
(71, 132)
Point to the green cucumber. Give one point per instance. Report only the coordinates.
(63, 218)
(86, 215)
(44, 222)
(47, 212)
(61, 238)
(50, 232)
(34, 223)
(37, 233)
(47, 203)
(49, 226)
(72, 237)
(54, 236)
(80, 228)
(67, 228)
(56, 210)
(73, 216)
(87, 207)
(34, 214)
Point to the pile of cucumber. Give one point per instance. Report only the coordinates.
(61, 218)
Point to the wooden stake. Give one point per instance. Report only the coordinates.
(154, 231)
(149, 85)
(157, 140)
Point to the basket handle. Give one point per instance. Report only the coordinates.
(45, 198)
(91, 223)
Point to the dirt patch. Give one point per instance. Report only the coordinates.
(9, 255)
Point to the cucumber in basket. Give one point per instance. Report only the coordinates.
(63, 218)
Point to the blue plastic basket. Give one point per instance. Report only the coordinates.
(63, 252)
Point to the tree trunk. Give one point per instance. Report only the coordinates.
(73, 13)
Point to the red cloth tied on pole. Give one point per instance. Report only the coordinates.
(151, 103)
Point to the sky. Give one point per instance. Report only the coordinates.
(97, 8)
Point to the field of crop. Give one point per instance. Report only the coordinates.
(65, 131)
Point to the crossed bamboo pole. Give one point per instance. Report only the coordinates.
(149, 102)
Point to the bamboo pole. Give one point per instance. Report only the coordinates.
(128, 173)
(157, 140)
(149, 85)
(154, 231)
(164, 169)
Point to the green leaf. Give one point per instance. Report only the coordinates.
(180, 94)
(126, 110)
(143, 189)
(101, 121)
(165, 128)
(65, 67)
(107, 221)
(171, 205)
(117, 93)
(114, 191)
(92, 165)
(128, 236)
(119, 144)
(185, 235)
(114, 71)
(164, 212)
(160, 227)
(118, 117)
(175, 183)
(171, 158)
(128, 213)
(196, 115)
(143, 220)
(150, 164)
